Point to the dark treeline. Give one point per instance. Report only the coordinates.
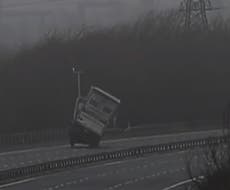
(160, 72)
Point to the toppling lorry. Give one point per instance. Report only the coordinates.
(92, 114)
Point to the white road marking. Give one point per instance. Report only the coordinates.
(165, 135)
(142, 178)
(118, 185)
(69, 183)
(128, 182)
(178, 184)
(19, 182)
(136, 180)
(81, 180)
(112, 163)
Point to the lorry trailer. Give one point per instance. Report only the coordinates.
(92, 114)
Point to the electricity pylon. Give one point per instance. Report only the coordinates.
(195, 13)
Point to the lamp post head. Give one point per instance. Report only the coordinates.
(74, 69)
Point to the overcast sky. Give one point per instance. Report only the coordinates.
(25, 21)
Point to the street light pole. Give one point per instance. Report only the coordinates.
(79, 83)
(77, 72)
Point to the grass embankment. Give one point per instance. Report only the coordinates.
(160, 73)
(217, 169)
(217, 180)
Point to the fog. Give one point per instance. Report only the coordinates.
(24, 22)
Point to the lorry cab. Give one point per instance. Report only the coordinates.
(93, 114)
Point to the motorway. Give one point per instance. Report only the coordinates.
(20, 158)
(156, 172)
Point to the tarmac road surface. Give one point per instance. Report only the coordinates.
(155, 172)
